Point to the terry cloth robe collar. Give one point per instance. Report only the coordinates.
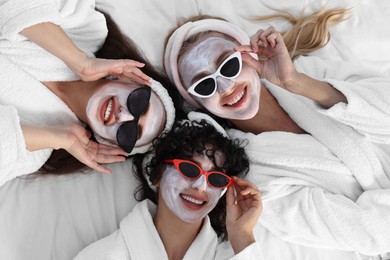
(138, 228)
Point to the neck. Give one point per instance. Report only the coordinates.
(176, 235)
(75, 94)
(269, 117)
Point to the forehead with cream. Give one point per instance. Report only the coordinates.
(202, 59)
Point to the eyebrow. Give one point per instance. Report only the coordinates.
(219, 60)
(215, 167)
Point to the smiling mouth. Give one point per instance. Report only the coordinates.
(238, 98)
(192, 202)
(107, 111)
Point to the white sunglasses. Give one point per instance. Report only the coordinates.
(229, 69)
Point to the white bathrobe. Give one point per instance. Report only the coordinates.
(23, 65)
(85, 26)
(329, 188)
(137, 238)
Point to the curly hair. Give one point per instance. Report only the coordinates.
(182, 142)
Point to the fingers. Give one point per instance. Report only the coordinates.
(245, 187)
(230, 196)
(247, 190)
(265, 38)
(85, 156)
(245, 49)
(102, 158)
(256, 64)
(111, 150)
(120, 68)
(106, 154)
(94, 165)
(91, 153)
(136, 75)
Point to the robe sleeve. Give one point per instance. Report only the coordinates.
(12, 147)
(15, 159)
(16, 15)
(367, 92)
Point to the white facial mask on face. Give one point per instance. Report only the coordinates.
(107, 132)
(200, 61)
(173, 184)
(149, 126)
(153, 125)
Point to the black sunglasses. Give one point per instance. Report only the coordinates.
(137, 103)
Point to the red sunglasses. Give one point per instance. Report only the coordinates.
(191, 170)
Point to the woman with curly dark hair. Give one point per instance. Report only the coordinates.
(191, 168)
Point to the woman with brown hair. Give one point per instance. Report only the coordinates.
(47, 102)
(318, 130)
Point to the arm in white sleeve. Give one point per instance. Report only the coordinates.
(368, 104)
(16, 15)
(12, 147)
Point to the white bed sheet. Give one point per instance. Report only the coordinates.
(54, 217)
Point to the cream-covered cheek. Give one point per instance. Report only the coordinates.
(94, 106)
(173, 184)
(154, 122)
(202, 59)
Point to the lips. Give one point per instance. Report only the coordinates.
(192, 202)
(237, 98)
(107, 110)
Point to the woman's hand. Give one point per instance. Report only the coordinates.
(242, 213)
(275, 65)
(75, 140)
(90, 69)
(274, 62)
(53, 39)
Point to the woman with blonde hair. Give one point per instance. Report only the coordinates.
(318, 130)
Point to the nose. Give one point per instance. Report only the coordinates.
(124, 115)
(200, 184)
(223, 84)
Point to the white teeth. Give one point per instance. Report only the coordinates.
(237, 98)
(108, 110)
(192, 200)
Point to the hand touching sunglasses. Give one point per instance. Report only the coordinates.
(229, 69)
(192, 171)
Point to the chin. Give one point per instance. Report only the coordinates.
(244, 114)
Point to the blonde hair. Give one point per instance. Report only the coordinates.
(308, 33)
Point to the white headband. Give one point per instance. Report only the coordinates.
(184, 32)
(162, 93)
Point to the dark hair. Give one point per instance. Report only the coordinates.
(181, 143)
(116, 46)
